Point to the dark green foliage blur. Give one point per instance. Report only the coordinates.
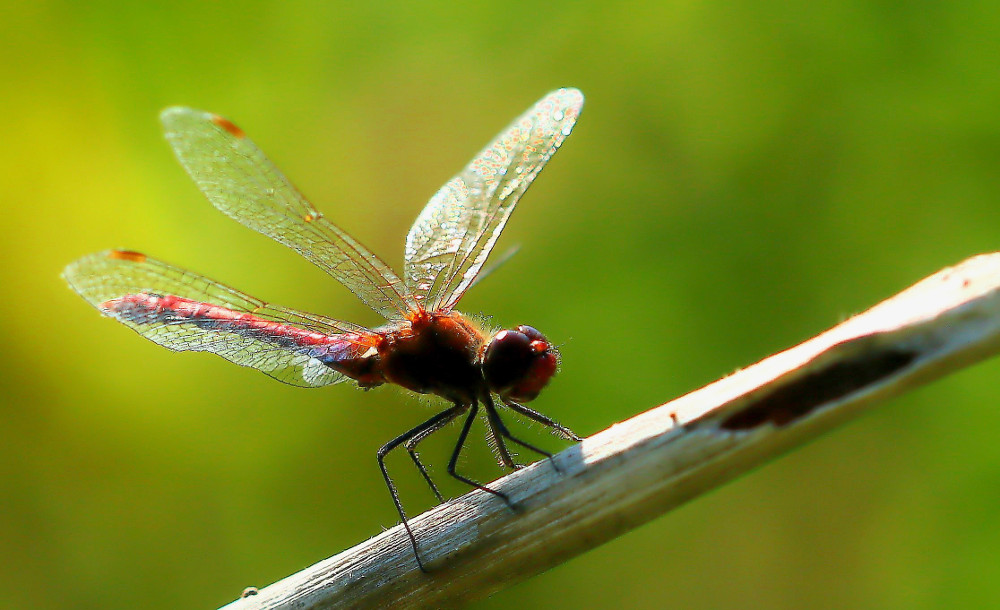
(744, 175)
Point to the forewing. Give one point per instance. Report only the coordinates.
(453, 236)
(184, 311)
(243, 183)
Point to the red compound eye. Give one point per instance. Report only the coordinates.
(519, 363)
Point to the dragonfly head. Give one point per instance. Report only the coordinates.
(518, 363)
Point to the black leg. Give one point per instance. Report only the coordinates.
(504, 458)
(499, 446)
(458, 450)
(538, 417)
(411, 449)
(433, 423)
(501, 429)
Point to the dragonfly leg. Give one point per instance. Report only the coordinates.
(500, 430)
(462, 436)
(434, 423)
(411, 446)
(561, 430)
(499, 445)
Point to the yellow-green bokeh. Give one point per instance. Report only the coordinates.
(744, 175)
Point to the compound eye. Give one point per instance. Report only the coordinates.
(531, 332)
(506, 360)
(519, 363)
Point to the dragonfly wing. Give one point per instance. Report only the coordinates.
(184, 311)
(243, 183)
(451, 239)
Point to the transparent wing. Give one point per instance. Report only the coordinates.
(184, 311)
(453, 236)
(243, 183)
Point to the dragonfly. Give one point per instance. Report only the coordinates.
(426, 346)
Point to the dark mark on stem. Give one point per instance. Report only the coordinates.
(813, 390)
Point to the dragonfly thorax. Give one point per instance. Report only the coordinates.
(434, 353)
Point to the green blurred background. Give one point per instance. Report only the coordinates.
(744, 175)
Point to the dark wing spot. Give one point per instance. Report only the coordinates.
(127, 255)
(228, 125)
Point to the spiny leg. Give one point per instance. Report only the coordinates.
(500, 448)
(473, 409)
(432, 423)
(411, 447)
(542, 419)
(500, 430)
